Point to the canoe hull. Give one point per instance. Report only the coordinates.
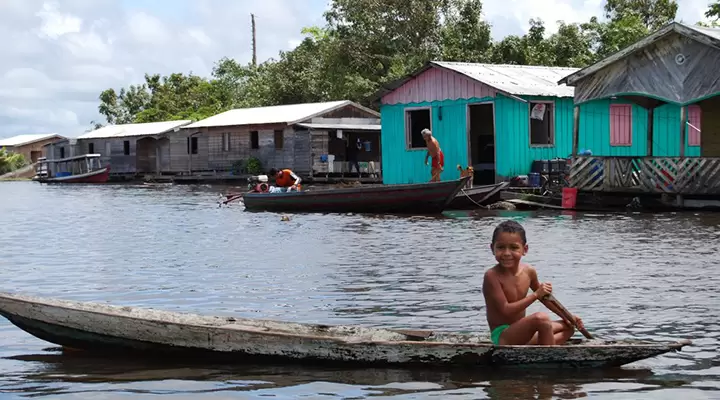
(423, 198)
(107, 329)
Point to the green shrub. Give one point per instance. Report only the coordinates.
(254, 166)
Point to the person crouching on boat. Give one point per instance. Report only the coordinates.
(286, 179)
(434, 151)
(505, 288)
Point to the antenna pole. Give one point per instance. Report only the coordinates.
(254, 42)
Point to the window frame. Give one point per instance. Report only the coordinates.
(408, 126)
(552, 124)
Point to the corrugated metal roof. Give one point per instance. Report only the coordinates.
(125, 130)
(283, 114)
(348, 127)
(525, 80)
(21, 140)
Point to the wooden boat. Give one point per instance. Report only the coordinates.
(105, 328)
(86, 168)
(419, 198)
(476, 197)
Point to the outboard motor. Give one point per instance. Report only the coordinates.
(258, 183)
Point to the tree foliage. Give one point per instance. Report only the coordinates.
(10, 161)
(367, 43)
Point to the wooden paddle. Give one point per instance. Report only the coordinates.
(566, 315)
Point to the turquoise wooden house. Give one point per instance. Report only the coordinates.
(650, 116)
(634, 102)
(497, 118)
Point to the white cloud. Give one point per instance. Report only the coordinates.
(55, 23)
(59, 55)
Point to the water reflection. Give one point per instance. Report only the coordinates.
(627, 274)
(82, 371)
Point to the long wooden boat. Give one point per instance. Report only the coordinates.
(85, 168)
(476, 197)
(418, 198)
(106, 329)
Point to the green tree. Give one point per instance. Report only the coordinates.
(653, 14)
(10, 161)
(464, 35)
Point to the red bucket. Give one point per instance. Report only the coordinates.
(569, 198)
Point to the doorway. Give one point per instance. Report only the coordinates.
(481, 139)
(34, 155)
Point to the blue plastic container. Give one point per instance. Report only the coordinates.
(534, 179)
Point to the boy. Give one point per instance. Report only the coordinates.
(505, 288)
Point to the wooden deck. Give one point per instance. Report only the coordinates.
(670, 175)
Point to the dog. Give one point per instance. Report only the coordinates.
(469, 171)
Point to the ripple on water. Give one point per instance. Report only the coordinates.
(171, 247)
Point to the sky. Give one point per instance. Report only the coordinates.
(57, 56)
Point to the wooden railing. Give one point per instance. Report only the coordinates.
(674, 175)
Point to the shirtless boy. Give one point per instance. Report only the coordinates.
(505, 288)
(433, 150)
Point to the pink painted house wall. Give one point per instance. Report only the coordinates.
(438, 84)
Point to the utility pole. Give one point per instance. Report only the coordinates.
(254, 43)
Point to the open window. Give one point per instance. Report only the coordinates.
(620, 125)
(542, 124)
(417, 119)
(254, 140)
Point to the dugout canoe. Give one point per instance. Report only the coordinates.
(417, 198)
(106, 328)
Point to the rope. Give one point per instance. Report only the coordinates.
(470, 198)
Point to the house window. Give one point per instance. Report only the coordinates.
(192, 145)
(126, 147)
(620, 124)
(417, 119)
(542, 126)
(694, 121)
(62, 152)
(254, 140)
(226, 141)
(91, 148)
(279, 139)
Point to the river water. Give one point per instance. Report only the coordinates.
(171, 247)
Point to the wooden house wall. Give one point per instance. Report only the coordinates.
(183, 162)
(294, 154)
(595, 130)
(37, 148)
(349, 111)
(438, 84)
(112, 153)
(143, 156)
(710, 130)
(514, 155)
(655, 72)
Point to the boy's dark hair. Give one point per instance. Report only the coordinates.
(509, 227)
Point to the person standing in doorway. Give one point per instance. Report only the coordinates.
(434, 151)
(351, 154)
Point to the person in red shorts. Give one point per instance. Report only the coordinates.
(434, 151)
